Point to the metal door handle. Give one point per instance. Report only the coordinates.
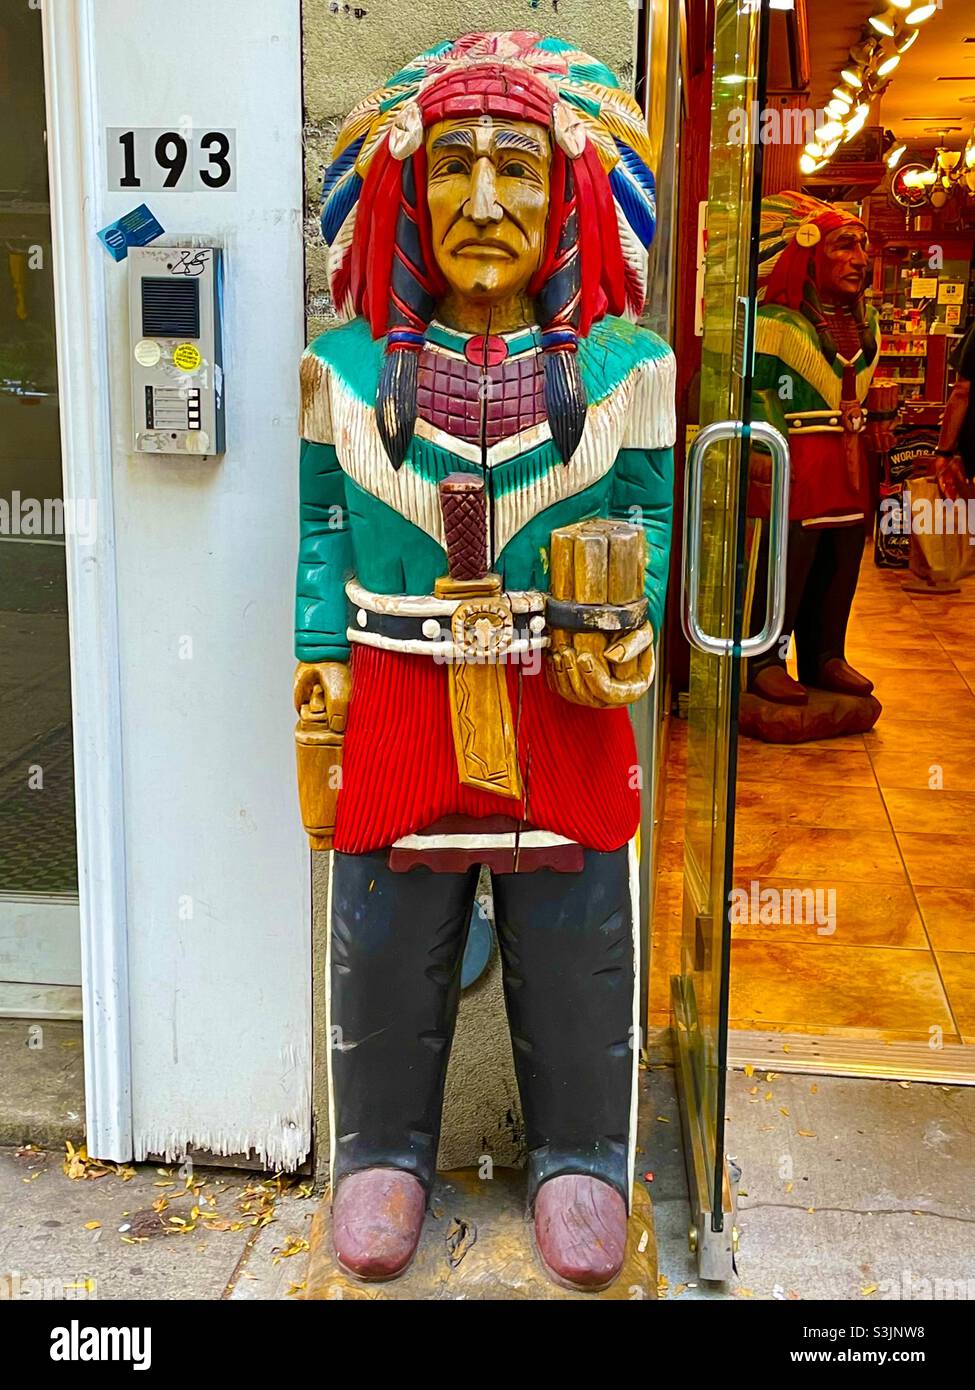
(778, 538)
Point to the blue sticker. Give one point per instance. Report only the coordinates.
(135, 228)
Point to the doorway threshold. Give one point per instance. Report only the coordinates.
(952, 1065)
(40, 1002)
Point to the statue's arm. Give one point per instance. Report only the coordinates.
(324, 557)
(769, 378)
(321, 683)
(643, 492)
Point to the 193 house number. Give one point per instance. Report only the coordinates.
(156, 160)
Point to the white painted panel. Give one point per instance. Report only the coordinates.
(40, 939)
(217, 870)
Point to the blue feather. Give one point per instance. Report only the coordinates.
(338, 166)
(638, 204)
(339, 205)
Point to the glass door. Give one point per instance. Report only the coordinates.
(712, 593)
(40, 947)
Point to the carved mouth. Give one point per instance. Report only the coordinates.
(477, 248)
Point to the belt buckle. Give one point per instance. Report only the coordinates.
(482, 628)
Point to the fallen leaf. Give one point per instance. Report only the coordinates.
(93, 1225)
(293, 1246)
(784, 1110)
(749, 1069)
(460, 1236)
(868, 1289)
(806, 1133)
(789, 1186)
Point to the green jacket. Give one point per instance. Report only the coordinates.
(361, 517)
(792, 380)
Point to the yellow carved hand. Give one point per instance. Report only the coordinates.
(619, 675)
(324, 687)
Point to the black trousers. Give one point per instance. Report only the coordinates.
(397, 943)
(821, 579)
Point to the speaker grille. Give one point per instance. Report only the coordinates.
(170, 308)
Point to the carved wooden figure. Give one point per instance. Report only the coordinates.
(817, 347)
(486, 484)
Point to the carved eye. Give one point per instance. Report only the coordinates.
(515, 169)
(455, 166)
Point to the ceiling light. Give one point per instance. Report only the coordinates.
(894, 155)
(905, 44)
(808, 165)
(832, 130)
(853, 77)
(885, 23)
(920, 13)
(888, 65)
(837, 107)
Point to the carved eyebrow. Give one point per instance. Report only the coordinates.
(517, 140)
(459, 136)
(503, 139)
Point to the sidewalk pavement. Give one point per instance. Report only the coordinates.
(851, 1189)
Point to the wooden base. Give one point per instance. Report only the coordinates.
(477, 1243)
(827, 715)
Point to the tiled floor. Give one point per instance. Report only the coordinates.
(885, 821)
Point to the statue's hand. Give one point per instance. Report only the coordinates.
(325, 687)
(952, 479)
(620, 676)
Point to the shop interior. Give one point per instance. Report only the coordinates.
(875, 824)
(40, 966)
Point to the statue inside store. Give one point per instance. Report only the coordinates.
(486, 497)
(817, 347)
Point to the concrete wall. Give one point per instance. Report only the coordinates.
(350, 49)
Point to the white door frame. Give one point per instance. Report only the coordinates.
(82, 350)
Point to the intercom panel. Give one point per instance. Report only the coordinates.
(175, 325)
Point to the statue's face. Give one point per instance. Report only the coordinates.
(843, 263)
(488, 193)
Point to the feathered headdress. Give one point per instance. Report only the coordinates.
(601, 218)
(791, 230)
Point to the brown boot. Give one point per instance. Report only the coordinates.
(580, 1230)
(377, 1217)
(774, 683)
(837, 675)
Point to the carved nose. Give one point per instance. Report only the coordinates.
(482, 202)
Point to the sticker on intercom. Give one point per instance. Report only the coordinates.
(187, 357)
(147, 353)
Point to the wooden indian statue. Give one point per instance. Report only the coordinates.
(817, 348)
(486, 487)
